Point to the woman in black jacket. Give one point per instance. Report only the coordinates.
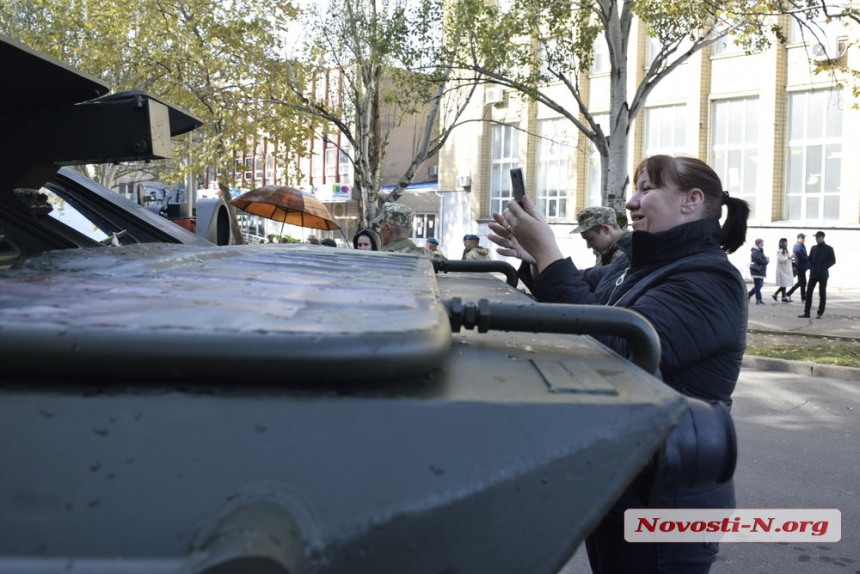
(679, 277)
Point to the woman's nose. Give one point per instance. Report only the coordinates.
(633, 201)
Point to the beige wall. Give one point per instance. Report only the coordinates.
(399, 153)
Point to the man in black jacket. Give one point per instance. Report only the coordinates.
(801, 263)
(821, 258)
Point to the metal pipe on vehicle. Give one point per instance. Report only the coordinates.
(478, 267)
(565, 319)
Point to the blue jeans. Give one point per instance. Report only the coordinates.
(756, 290)
(609, 553)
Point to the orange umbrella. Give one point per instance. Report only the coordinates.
(287, 205)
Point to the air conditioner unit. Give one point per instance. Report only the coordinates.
(433, 170)
(493, 96)
(464, 181)
(828, 49)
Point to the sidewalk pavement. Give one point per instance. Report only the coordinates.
(841, 320)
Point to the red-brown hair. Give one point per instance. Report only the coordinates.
(687, 173)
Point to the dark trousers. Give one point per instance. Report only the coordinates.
(822, 294)
(609, 553)
(801, 282)
(756, 290)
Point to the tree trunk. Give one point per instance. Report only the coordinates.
(615, 169)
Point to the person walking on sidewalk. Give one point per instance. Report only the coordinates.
(821, 259)
(784, 278)
(801, 263)
(758, 270)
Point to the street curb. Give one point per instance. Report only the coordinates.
(801, 368)
(799, 334)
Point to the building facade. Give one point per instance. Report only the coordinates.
(326, 170)
(779, 136)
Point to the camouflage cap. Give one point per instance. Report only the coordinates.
(593, 217)
(397, 214)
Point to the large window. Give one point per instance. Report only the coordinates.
(330, 161)
(505, 155)
(734, 147)
(654, 47)
(814, 156)
(259, 167)
(316, 165)
(601, 64)
(270, 169)
(727, 44)
(595, 196)
(343, 161)
(666, 130)
(552, 179)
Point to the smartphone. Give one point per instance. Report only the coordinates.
(517, 184)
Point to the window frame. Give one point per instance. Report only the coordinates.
(553, 167)
(722, 151)
(330, 161)
(593, 176)
(501, 164)
(809, 205)
(675, 148)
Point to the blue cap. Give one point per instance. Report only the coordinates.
(433, 240)
(471, 237)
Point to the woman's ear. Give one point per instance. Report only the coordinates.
(694, 200)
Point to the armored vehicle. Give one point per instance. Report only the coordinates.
(179, 406)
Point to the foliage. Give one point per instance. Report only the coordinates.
(367, 67)
(544, 49)
(210, 57)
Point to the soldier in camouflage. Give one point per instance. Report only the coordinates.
(473, 250)
(395, 229)
(433, 247)
(598, 226)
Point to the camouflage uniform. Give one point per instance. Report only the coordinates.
(401, 216)
(435, 254)
(476, 253)
(613, 252)
(596, 216)
(405, 245)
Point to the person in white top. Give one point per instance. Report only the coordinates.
(784, 276)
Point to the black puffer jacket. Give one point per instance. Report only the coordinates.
(683, 283)
(593, 276)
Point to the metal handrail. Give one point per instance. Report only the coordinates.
(558, 318)
(446, 265)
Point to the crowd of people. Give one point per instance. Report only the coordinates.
(391, 231)
(791, 268)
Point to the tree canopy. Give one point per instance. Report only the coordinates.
(210, 57)
(366, 68)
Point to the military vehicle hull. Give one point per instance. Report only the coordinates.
(500, 457)
(204, 409)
